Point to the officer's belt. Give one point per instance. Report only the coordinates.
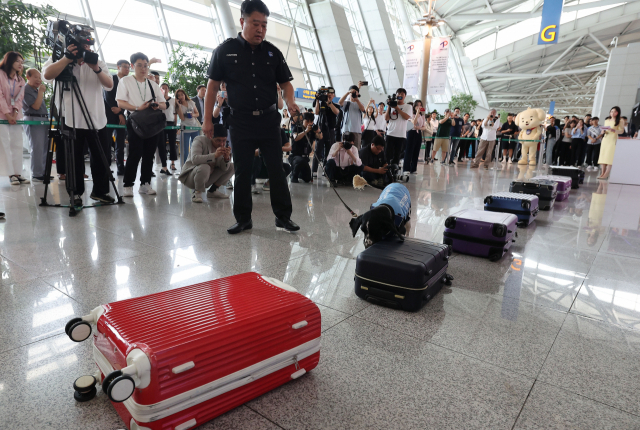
(271, 108)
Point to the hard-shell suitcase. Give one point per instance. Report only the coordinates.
(524, 206)
(544, 189)
(402, 275)
(179, 358)
(485, 234)
(564, 185)
(575, 173)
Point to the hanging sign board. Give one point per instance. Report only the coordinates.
(413, 61)
(438, 65)
(550, 25)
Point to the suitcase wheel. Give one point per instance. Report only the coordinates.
(78, 331)
(448, 241)
(85, 388)
(488, 200)
(526, 205)
(109, 379)
(70, 323)
(121, 388)
(495, 257)
(450, 222)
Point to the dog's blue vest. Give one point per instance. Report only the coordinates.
(397, 196)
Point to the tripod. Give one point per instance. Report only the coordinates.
(67, 135)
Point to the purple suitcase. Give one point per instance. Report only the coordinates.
(485, 234)
(564, 185)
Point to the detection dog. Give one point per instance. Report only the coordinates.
(390, 215)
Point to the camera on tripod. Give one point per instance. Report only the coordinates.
(60, 34)
(322, 94)
(392, 101)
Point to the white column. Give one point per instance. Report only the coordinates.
(226, 19)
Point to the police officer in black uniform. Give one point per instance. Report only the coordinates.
(251, 67)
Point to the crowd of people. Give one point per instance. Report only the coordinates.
(338, 138)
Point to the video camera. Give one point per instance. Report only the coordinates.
(392, 101)
(60, 34)
(322, 94)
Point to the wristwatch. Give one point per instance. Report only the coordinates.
(99, 71)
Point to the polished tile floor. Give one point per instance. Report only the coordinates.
(548, 337)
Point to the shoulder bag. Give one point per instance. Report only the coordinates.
(149, 122)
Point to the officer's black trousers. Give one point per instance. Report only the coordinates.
(247, 134)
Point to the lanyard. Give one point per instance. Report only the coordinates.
(13, 89)
(144, 98)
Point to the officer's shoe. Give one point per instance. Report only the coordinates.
(287, 224)
(240, 227)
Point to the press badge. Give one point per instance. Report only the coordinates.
(13, 102)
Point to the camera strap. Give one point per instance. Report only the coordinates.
(315, 155)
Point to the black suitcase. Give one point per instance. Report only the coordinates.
(576, 174)
(402, 275)
(545, 190)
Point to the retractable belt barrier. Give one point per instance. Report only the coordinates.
(47, 122)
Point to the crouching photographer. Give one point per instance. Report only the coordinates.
(376, 171)
(92, 75)
(306, 137)
(208, 166)
(344, 161)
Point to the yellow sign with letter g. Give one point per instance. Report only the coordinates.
(548, 36)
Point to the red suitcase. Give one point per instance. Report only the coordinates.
(179, 358)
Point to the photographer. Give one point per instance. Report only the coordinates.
(208, 166)
(171, 117)
(381, 121)
(92, 79)
(376, 171)
(115, 115)
(328, 113)
(490, 126)
(35, 109)
(221, 110)
(414, 139)
(442, 135)
(344, 161)
(370, 118)
(305, 139)
(135, 94)
(397, 115)
(456, 132)
(353, 109)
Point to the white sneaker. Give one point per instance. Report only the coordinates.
(146, 189)
(128, 192)
(218, 195)
(14, 180)
(255, 189)
(197, 197)
(229, 185)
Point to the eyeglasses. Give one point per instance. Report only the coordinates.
(142, 66)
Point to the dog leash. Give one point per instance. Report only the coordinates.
(315, 155)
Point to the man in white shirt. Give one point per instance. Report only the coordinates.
(92, 79)
(397, 127)
(343, 162)
(488, 139)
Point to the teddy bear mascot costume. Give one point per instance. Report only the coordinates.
(530, 122)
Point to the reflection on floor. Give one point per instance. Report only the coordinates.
(549, 337)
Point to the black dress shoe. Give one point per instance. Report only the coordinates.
(287, 224)
(240, 227)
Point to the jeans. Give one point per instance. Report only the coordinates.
(454, 149)
(187, 137)
(550, 144)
